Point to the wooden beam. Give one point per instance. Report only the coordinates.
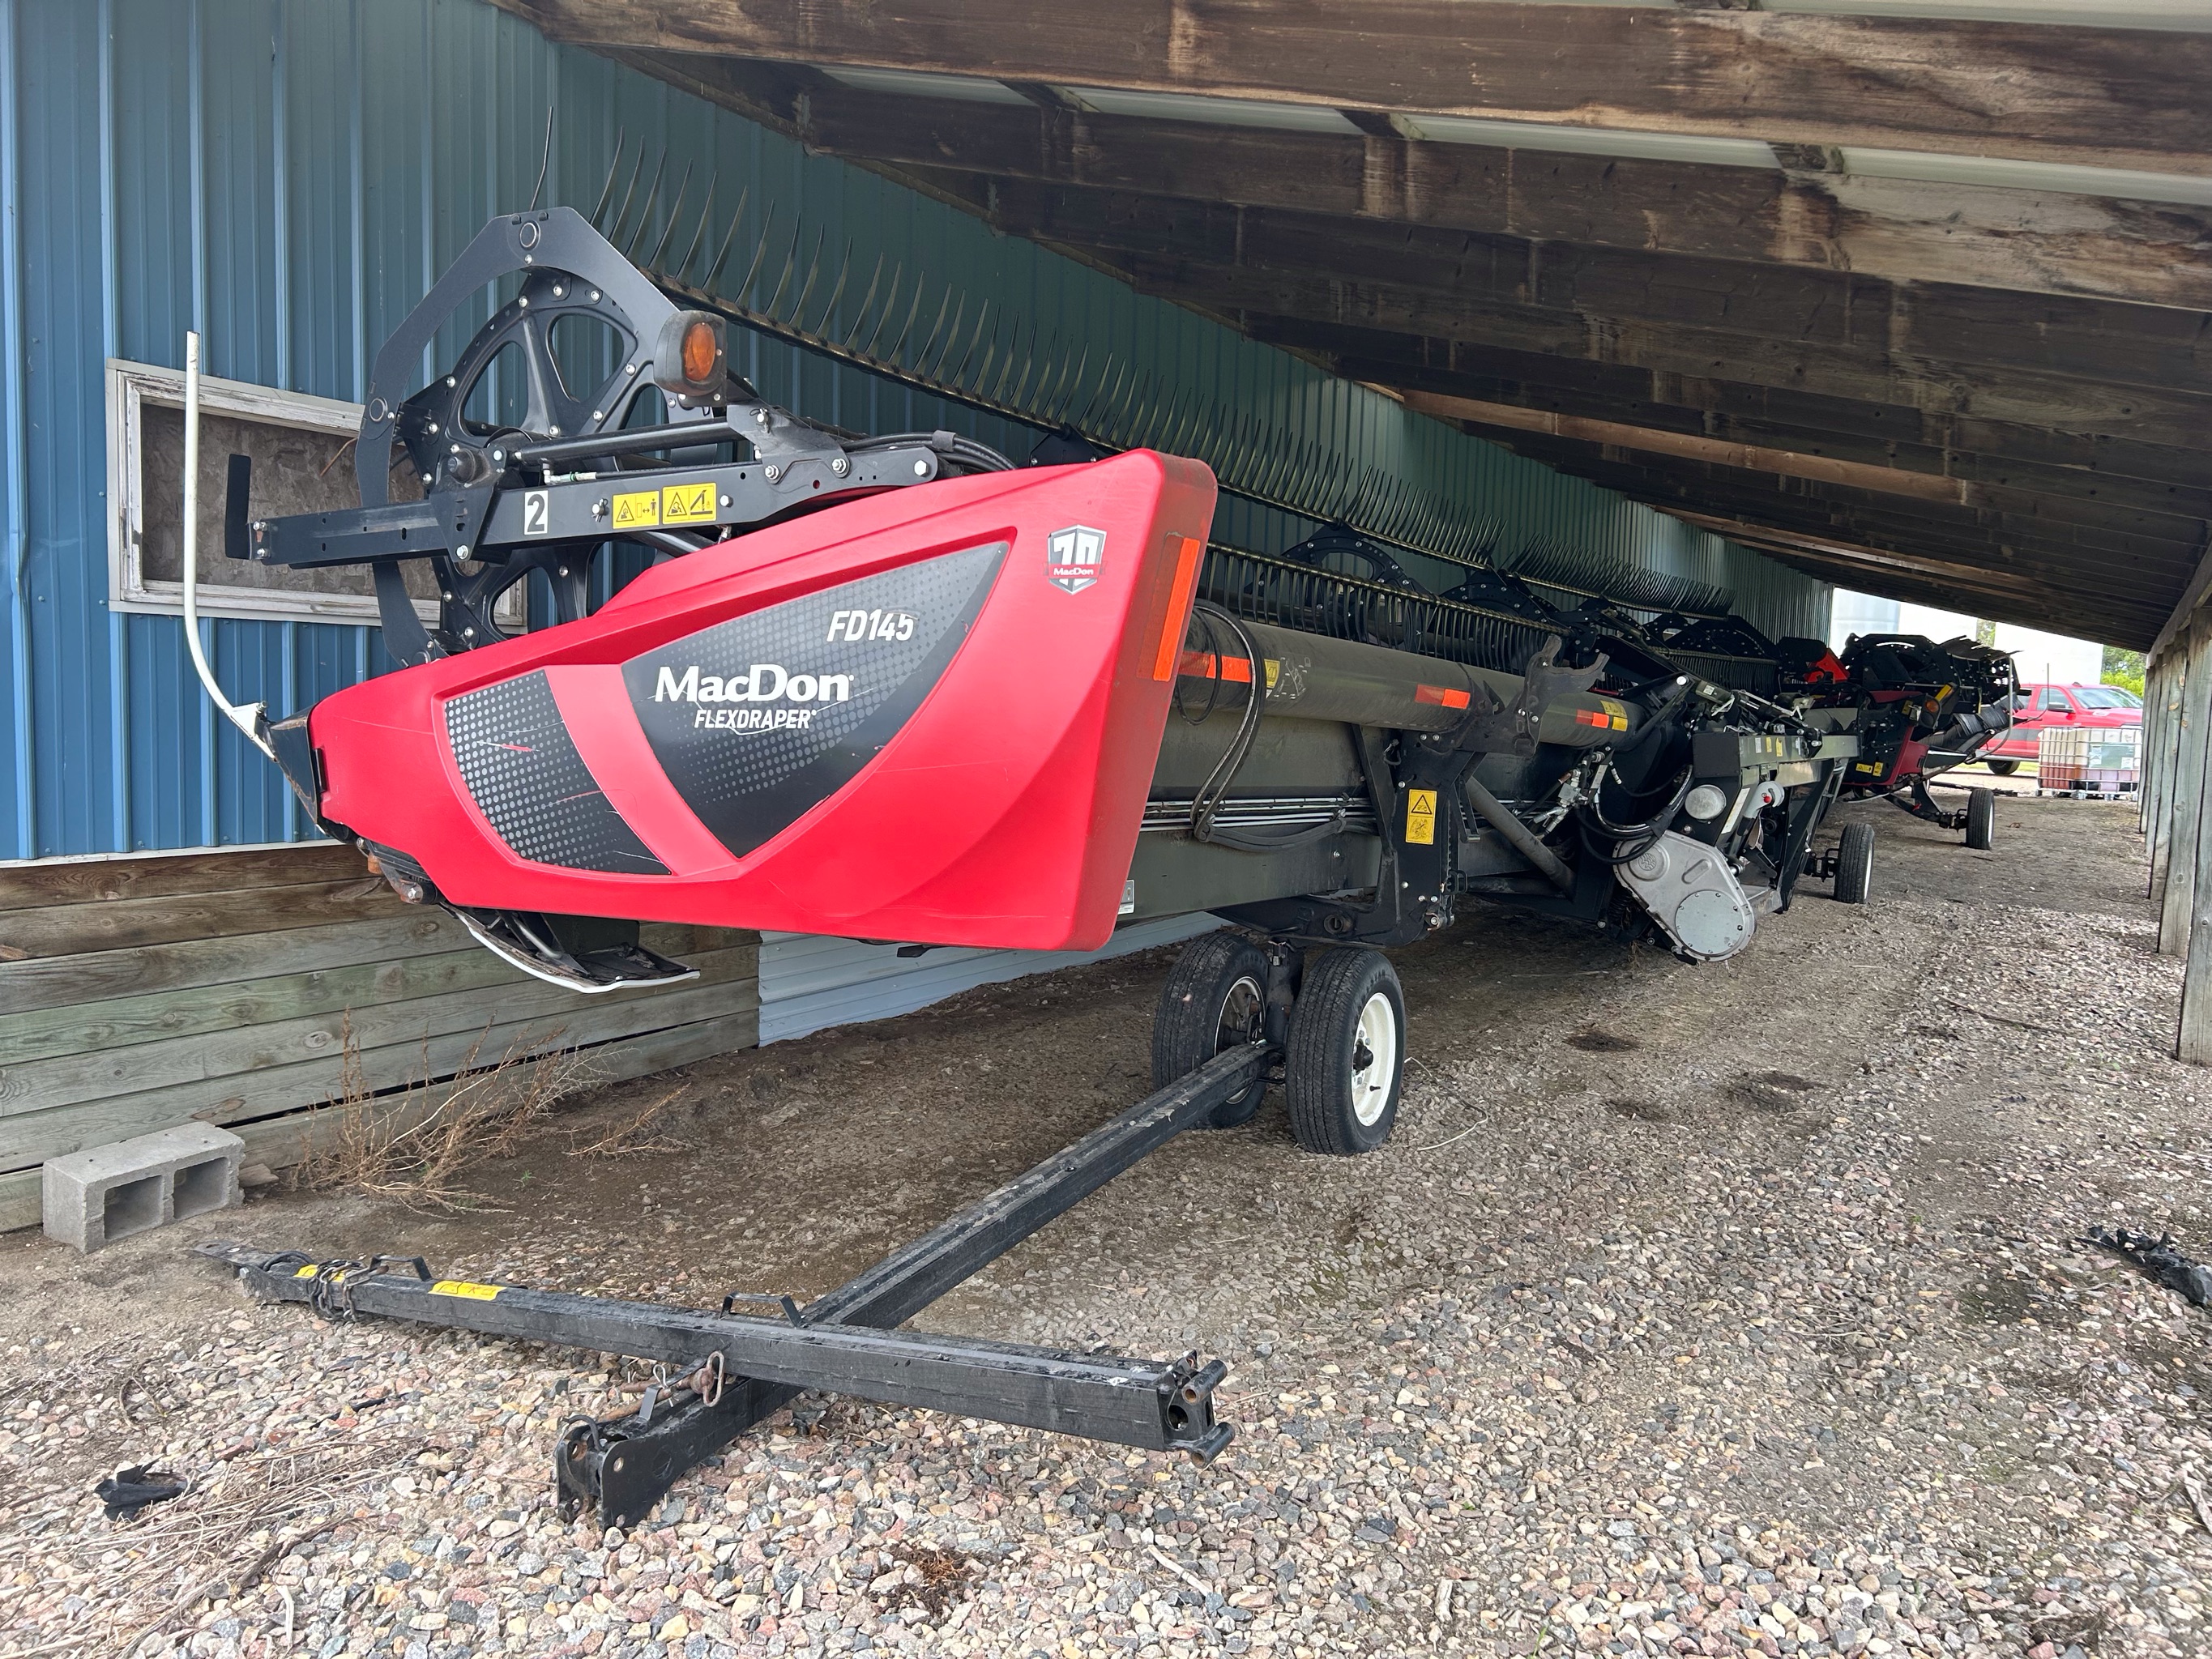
(1906, 470)
(2138, 569)
(2192, 596)
(2166, 539)
(1604, 291)
(1786, 417)
(1876, 570)
(1898, 230)
(1748, 457)
(2100, 97)
(2053, 465)
(1378, 316)
(2144, 575)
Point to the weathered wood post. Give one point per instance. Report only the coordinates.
(2194, 720)
(2194, 1041)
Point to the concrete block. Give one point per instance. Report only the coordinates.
(105, 1193)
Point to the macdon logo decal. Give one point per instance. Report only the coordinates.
(765, 682)
(1074, 557)
(870, 625)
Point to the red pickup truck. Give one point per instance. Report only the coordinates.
(2037, 707)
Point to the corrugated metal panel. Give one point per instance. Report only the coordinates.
(808, 984)
(289, 175)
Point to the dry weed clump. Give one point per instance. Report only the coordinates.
(415, 1143)
(230, 1530)
(634, 1133)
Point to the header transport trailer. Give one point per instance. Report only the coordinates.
(898, 689)
(1918, 709)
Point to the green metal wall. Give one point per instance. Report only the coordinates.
(289, 175)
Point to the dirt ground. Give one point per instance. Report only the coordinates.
(1690, 1309)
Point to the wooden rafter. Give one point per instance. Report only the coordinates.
(1977, 506)
(1995, 398)
(2028, 241)
(2115, 97)
(1380, 317)
(1690, 402)
(1933, 476)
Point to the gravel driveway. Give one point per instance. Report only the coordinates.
(1692, 1309)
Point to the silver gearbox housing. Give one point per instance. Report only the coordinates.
(1691, 891)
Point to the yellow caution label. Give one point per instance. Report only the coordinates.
(463, 1288)
(307, 1272)
(687, 504)
(1616, 713)
(1421, 816)
(638, 510)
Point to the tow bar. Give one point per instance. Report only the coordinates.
(739, 1369)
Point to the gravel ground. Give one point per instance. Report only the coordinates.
(1694, 1310)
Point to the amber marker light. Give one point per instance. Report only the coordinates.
(699, 352)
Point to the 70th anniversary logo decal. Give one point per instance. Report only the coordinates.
(1074, 557)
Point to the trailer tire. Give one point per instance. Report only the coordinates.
(1215, 998)
(1854, 864)
(1350, 1006)
(2003, 768)
(1981, 818)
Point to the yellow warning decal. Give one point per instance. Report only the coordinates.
(1273, 669)
(639, 508)
(1421, 816)
(462, 1287)
(1616, 713)
(307, 1272)
(686, 503)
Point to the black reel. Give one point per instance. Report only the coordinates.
(589, 410)
(569, 272)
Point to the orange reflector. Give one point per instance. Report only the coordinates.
(699, 352)
(1186, 581)
(1205, 665)
(1442, 695)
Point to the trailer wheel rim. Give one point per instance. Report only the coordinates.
(1244, 1014)
(1374, 1060)
(1244, 1019)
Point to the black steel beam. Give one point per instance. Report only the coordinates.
(844, 1342)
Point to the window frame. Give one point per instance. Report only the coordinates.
(131, 387)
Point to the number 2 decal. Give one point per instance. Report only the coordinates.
(536, 511)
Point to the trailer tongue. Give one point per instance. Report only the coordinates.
(897, 689)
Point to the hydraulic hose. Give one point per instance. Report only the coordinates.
(249, 718)
(977, 458)
(1207, 802)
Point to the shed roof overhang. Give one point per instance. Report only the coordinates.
(1918, 304)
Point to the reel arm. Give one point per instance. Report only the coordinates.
(499, 501)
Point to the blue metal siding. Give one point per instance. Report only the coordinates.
(289, 175)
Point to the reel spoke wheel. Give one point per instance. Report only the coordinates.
(1216, 997)
(1981, 818)
(1345, 1058)
(1854, 864)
